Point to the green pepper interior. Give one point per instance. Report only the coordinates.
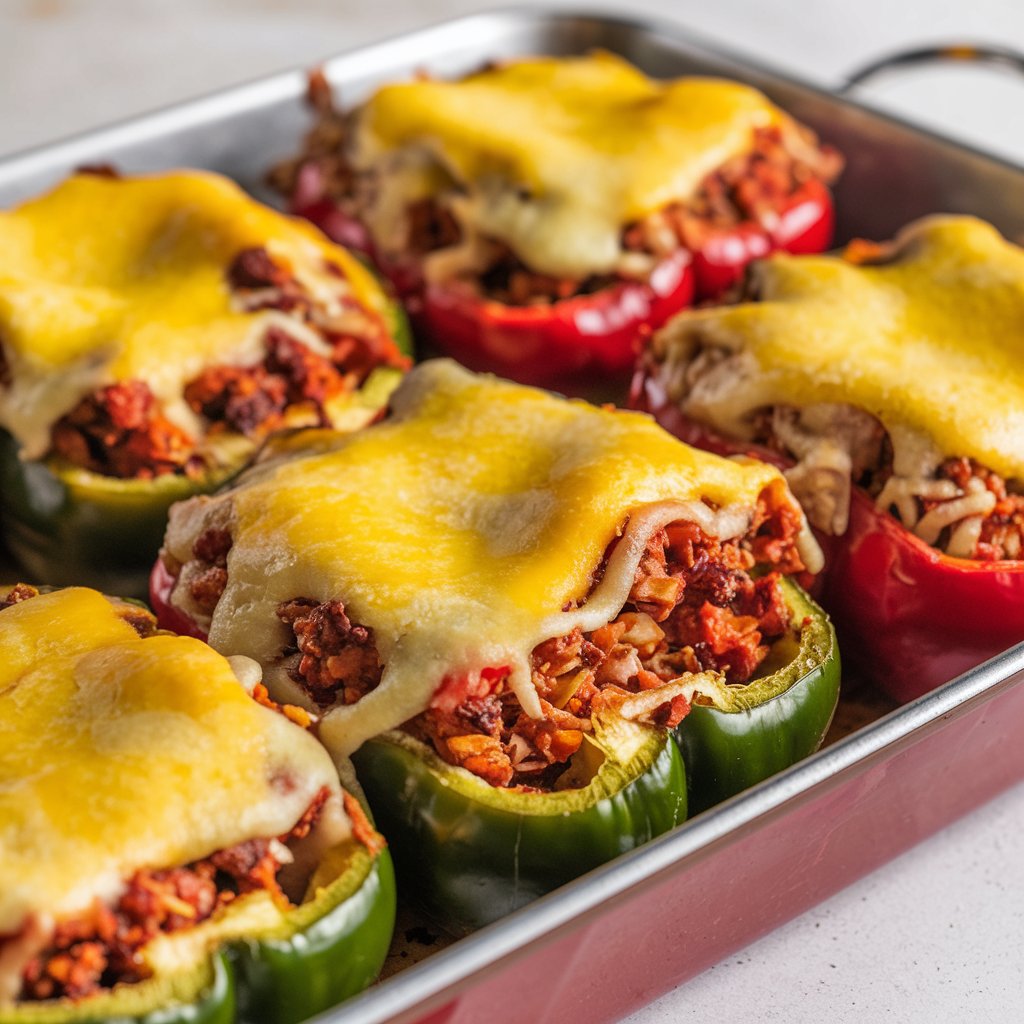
(807, 646)
(188, 966)
(617, 752)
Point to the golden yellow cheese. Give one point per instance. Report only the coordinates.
(560, 154)
(463, 531)
(105, 280)
(118, 753)
(931, 340)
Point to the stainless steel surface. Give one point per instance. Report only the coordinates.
(437, 979)
(895, 172)
(998, 57)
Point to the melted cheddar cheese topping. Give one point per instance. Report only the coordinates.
(115, 279)
(929, 341)
(118, 753)
(559, 154)
(464, 530)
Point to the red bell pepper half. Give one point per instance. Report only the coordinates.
(909, 617)
(161, 584)
(571, 341)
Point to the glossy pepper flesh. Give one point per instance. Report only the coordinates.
(327, 949)
(913, 617)
(736, 738)
(469, 853)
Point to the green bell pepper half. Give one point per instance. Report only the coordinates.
(750, 732)
(468, 853)
(67, 525)
(325, 950)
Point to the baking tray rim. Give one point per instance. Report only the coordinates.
(282, 85)
(425, 985)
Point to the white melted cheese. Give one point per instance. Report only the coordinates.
(463, 531)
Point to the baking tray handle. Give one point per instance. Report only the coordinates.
(964, 53)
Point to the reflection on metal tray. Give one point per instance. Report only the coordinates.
(629, 931)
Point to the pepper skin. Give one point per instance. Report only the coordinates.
(772, 721)
(557, 343)
(911, 616)
(469, 853)
(336, 948)
(332, 947)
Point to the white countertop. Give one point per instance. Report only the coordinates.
(934, 936)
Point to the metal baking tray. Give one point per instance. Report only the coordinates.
(623, 934)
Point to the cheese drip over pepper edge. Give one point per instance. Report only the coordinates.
(930, 341)
(115, 279)
(463, 531)
(118, 753)
(557, 155)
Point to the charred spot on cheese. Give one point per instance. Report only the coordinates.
(542, 178)
(463, 531)
(145, 318)
(140, 787)
(894, 367)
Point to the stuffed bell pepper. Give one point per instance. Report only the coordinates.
(539, 214)
(152, 330)
(503, 604)
(173, 849)
(889, 381)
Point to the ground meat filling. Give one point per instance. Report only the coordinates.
(693, 607)
(334, 659)
(121, 431)
(18, 593)
(101, 947)
(210, 558)
(753, 187)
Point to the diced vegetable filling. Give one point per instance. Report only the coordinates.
(693, 608)
(122, 431)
